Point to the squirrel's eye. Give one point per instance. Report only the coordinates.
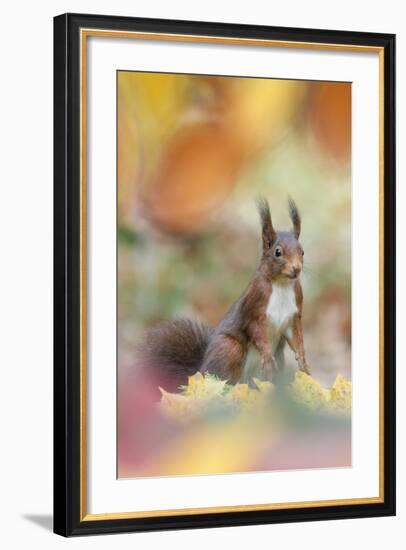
(278, 252)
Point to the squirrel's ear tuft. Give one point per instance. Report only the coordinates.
(295, 217)
(268, 232)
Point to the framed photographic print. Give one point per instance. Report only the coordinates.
(224, 341)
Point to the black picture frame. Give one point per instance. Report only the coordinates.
(67, 357)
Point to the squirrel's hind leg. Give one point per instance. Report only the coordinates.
(280, 355)
(225, 357)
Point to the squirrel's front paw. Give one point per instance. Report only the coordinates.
(304, 367)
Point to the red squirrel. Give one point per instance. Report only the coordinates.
(267, 315)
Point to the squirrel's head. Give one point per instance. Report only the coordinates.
(282, 253)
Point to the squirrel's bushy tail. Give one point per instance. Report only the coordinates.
(174, 350)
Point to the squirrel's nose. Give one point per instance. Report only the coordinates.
(296, 270)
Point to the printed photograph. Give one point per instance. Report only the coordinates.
(233, 274)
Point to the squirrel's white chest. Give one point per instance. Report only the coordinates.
(281, 306)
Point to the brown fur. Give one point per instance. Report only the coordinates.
(183, 347)
(246, 322)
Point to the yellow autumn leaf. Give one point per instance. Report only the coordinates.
(243, 397)
(204, 390)
(307, 391)
(341, 394)
(264, 386)
(203, 387)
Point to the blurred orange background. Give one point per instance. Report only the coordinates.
(194, 152)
